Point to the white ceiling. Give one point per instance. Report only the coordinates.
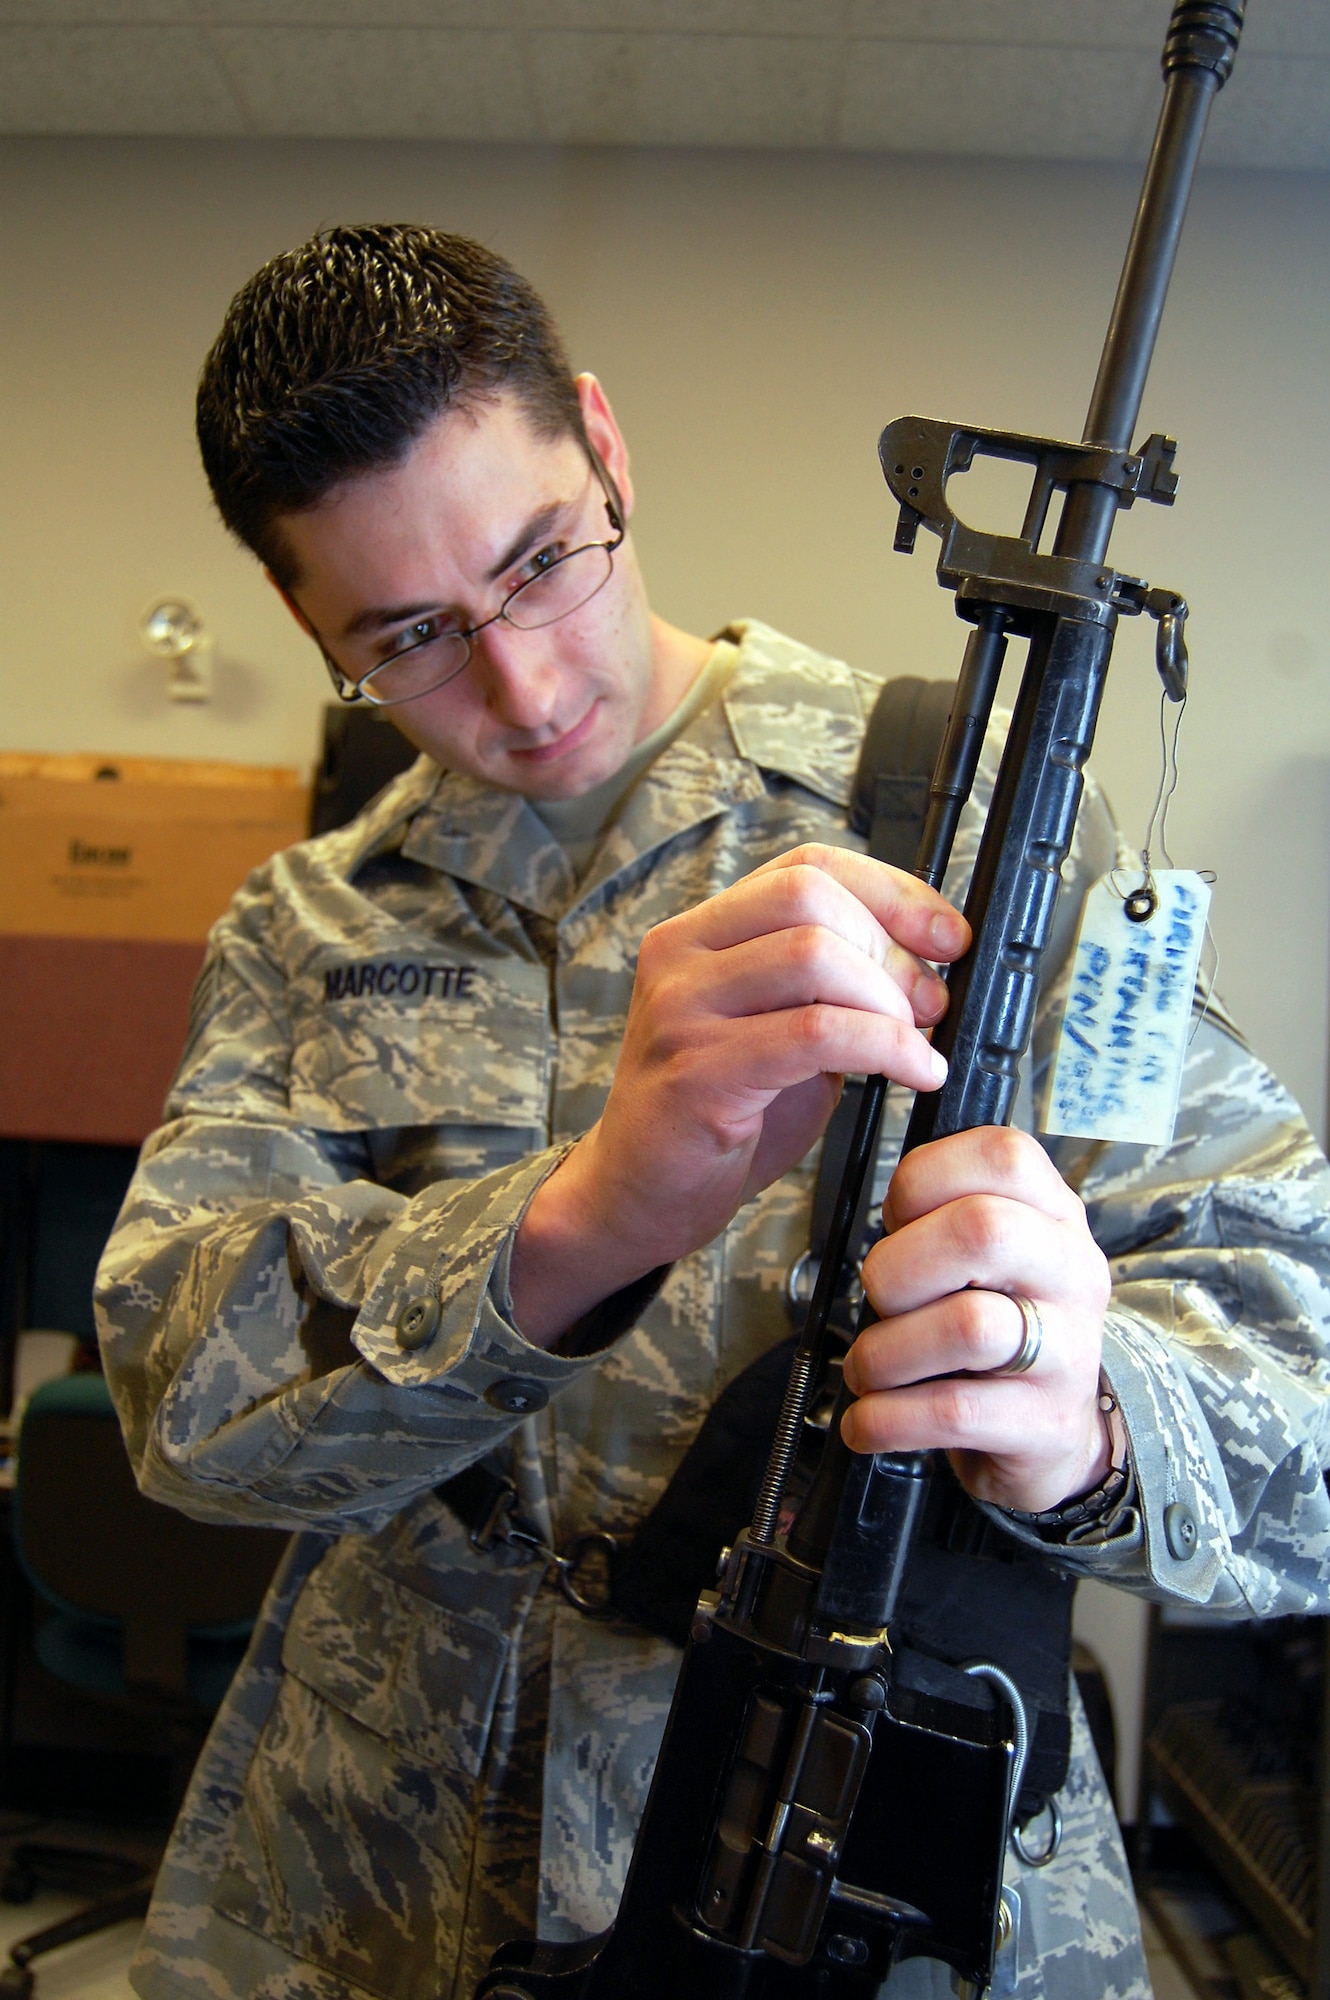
(1068, 79)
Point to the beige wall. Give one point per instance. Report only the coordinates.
(756, 318)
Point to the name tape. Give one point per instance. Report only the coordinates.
(1117, 1070)
(412, 981)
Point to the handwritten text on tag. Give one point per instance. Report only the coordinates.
(1117, 1070)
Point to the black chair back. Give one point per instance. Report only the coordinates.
(362, 752)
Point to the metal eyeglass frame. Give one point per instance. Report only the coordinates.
(350, 691)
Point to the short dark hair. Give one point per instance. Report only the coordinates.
(335, 357)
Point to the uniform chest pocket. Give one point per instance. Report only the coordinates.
(409, 1038)
(352, 1847)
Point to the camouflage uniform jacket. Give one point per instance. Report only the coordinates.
(399, 1027)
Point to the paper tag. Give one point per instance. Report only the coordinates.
(1117, 1071)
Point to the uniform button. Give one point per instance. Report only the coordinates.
(1180, 1531)
(517, 1396)
(418, 1323)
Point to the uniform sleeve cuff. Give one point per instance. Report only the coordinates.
(1164, 1534)
(438, 1313)
(1186, 1539)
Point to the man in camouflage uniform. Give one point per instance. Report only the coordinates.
(494, 1137)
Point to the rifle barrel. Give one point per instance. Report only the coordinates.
(1198, 56)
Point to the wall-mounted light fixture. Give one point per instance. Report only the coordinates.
(173, 630)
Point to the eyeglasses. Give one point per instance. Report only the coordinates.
(440, 652)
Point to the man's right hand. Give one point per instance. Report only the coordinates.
(746, 1013)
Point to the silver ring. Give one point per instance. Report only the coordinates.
(1032, 1338)
(1041, 1860)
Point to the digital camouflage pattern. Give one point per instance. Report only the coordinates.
(399, 1029)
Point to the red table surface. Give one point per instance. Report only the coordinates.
(91, 1031)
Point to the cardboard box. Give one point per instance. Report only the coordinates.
(135, 847)
(112, 869)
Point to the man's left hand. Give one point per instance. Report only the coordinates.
(974, 1221)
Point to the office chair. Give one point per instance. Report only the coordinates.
(57, 1204)
(140, 1607)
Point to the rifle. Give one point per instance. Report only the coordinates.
(811, 1820)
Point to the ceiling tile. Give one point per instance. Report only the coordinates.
(47, 13)
(786, 17)
(160, 80)
(694, 17)
(1274, 113)
(260, 14)
(1290, 27)
(380, 83)
(699, 90)
(926, 97)
(1108, 24)
(1021, 78)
